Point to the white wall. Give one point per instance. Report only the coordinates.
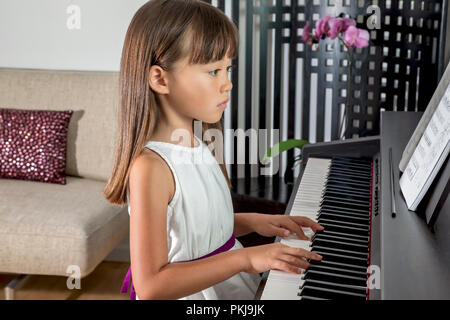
(34, 33)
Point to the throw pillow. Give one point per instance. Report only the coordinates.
(33, 144)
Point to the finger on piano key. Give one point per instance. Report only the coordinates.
(294, 242)
(282, 285)
(293, 236)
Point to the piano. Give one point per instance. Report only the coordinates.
(368, 252)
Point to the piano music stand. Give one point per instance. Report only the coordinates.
(437, 195)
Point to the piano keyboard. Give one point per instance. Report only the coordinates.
(336, 193)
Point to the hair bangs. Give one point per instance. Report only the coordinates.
(212, 36)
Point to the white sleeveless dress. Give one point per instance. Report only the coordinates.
(200, 216)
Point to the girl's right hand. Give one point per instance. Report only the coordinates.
(279, 257)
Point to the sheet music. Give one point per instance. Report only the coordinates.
(431, 151)
(424, 121)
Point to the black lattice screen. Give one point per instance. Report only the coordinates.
(398, 71)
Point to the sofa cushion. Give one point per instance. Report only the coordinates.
(33, 144)
(94, 98)
(44, 228)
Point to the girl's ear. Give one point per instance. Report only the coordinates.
(157, 80)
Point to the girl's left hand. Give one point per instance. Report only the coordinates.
(269, 225)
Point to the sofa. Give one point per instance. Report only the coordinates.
(44, 227)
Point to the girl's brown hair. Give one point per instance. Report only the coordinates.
(161, 33)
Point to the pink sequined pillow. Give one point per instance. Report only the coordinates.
(33, 144)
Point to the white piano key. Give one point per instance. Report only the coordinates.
(282, 286)
(295, 242)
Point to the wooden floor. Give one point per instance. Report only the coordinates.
(104, 283)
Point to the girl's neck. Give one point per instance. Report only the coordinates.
(184, 137)
(173, 127)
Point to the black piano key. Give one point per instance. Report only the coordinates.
(347, 235)
(349, 188)
(348, 180)
(343, 203)
(345, 186)
(342, 187)
(339, 222)
(352, 163)
(349, 191)
(351, 170)
(341, 240)
(353, 160)
(344, 212)
(336, 206)
(341, 245)
(346, 198)
(311, 297)
(342, 258)
(349, 253)
(326, 234)
(346, 194)
(329, 294)
(348, 183)
(362, 291)
(338, 268)
(348, 177)
(334, 264)
(342, 170)
(345, 217)
(349, 231)
(335, 278)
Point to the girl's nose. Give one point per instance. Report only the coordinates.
(227, 86)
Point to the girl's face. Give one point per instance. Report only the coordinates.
(197, 91)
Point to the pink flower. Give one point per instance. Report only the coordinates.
(354, 37)
(322, 27)
(306, 32)
(347, 23)
(338, 25)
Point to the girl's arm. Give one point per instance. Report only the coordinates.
(177, 280)
(272, 225)
(243, 223)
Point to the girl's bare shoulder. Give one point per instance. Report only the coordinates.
(150, 164)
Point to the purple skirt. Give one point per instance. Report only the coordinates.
(127, 281)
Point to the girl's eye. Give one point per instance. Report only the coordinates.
(214, 73)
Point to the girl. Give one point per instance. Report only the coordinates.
(182, 227)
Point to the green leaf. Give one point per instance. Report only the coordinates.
(282, 147)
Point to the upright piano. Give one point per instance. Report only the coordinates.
(369, 252)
